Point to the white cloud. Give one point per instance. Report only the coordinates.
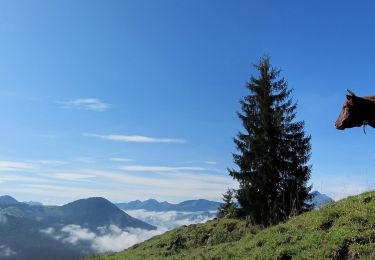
(92, 104)
(339, 187)
(117, 239)
(171, 181)
(72, 176)
(6, 251)
(142, 168)
(48, 231)
(338, 192)
(21, 178)
(113, 239)
(202, 177)
(171, 219)
(118, 159)
(210, 162)
(14, 166)
(136, 138)
(48, 162)
(64, 192)
(164, 182)
(76, 233)
(108, 239)
(59, 195)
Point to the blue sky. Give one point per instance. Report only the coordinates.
(138, 99)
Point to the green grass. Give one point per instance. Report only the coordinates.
(340, 230)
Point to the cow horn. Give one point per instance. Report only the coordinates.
(351, 92)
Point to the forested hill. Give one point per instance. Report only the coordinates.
(339, 230)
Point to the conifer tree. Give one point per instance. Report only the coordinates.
(228, 209)
(273, 151)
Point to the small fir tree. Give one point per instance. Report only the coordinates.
(228, 209)
(273, 151)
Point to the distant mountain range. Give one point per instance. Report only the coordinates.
(89, 213)
(318, 199)
(185, 206)
(35, 231)
(8, 200)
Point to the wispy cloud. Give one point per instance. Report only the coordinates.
(343, 185)
(210, 162)
(136, 138)
(118, 159)
(92, 104)
(48, 162)
(72, 176)
(61, 193)
(60, 181)
(344, 190)
(170, 183)
(14, 166)
(22, 179)
(142, 168)
(112, 185)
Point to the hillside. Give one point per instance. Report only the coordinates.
(340, 230)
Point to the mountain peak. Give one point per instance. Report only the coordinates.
(151, 200)
(93, 200)
(88, 203)
(7, 200)
(99, 211)
(318, 199)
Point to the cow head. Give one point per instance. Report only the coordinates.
(352, 114)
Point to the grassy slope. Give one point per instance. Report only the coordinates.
(340, 230)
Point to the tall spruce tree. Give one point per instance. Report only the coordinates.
(273, 151)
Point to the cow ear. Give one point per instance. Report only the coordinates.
(351, 93)
(350, 100)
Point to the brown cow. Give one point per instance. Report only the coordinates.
(356, 112)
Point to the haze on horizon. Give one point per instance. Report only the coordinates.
(138, 99)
